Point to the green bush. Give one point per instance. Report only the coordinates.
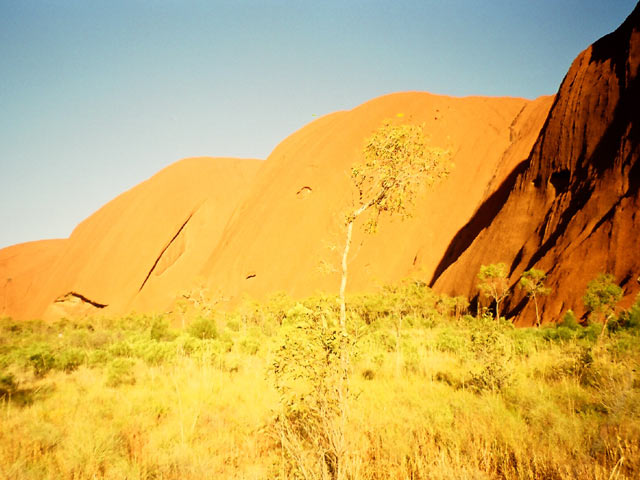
(493, 354)
(629, 319)
(233, 324)
(8, 384)
(249, 345)
(120, 349)
(98, 358)
(204, 328)
(450, 341)
(153, 352)
(120, 372)
(569, 321)
(40, 357)
(160, 330)
(70, 359)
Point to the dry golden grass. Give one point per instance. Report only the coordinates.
(463, 400)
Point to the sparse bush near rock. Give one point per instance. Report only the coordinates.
(204, 328)
(495, 395)
(120, 372)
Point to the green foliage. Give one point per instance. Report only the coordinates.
(448, 396)
(160, 330)
(69, 359)
(602, 295)
(120, 349)
(154, 352)
(397, 164)
(120, 372)
(629, 319)
(493, 283)
(41, 359)
(450, 340)
(8, 384)
(532, 281)
(493, 352)
(249, 346)
(204, 328)
(309, 376)
(233, 324)
(569, 321)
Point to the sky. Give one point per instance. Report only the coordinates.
(97, 96)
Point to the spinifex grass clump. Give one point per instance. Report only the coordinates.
(445, 395)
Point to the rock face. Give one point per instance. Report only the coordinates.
(135, 252)
(574, 210)
(551, 183)
(23, 270)
(249, 227)
(289, 232)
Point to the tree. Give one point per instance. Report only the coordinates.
(493, 283)
(397, 164)
(601, 297)
(532, 281)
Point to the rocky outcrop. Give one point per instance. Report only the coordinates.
(247, 227)
(574, 208)
(134, 253)
(24, 268)
(288, 233)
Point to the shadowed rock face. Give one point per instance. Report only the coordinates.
(574, 210)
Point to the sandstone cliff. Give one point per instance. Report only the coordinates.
(574, 211)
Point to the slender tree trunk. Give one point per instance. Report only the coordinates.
(497, 309)
(398, 347)
(343, 283)
(605, 321)
(535, 302)
(344, 358)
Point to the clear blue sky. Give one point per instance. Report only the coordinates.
(96, 96)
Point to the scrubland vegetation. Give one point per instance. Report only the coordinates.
(259, 393)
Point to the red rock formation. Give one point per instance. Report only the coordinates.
(136, 251)
(575, 209)
(23, 270)
(148, 244)
(288, 233)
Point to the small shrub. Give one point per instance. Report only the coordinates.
(204, 328)
(160, 330)
(8, 384)
(120, 372)
(629, 319)
(249, 346)
(450, 341)
(120, 349)
(70, 359)
(493, 354)
(98, 358)
(564, 334)
(447, 378)
(224, 343)
(153, 352)
(384, 340)
(591, 332)
(569, 321)
(99, 339)
(233, 325)
(40, 358)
